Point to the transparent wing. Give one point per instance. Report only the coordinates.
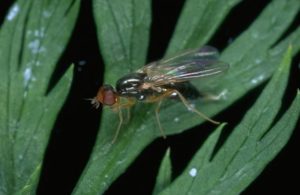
(197, 63)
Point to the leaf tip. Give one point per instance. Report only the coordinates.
(222, 125)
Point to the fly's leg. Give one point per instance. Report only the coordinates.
(215, 97)
(118, 107)
(128, 115)
(157, 109)
(183, 100)
(188, 106)
(119, 125)
(158, 121)
(130, 102)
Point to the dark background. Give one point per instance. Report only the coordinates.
(76, 128)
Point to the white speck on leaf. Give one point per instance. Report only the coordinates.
(254, 35)
(258, 61)
(193, 172)
(46, 14)
(13, 125)
(143, 127)
(38, 63)
(36, 33)
(13, 12)
(176, 119)
(119, 162)
(40, 32)
(241, 173)
(257, 79)
(35, 46)
(104, 184)
(27, 76)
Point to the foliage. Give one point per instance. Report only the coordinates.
(34, 35)
(29, 51)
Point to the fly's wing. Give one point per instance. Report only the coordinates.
(197, 63)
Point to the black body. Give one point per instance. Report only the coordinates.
(130, 86)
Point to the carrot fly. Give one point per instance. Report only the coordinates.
(158, 80)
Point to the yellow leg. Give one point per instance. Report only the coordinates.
(188, 106)
(118, 108)
(128, 115)
(158, 121)
(119, 125)
(185, 103)
(130, 102)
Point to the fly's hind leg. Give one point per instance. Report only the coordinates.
(168, 93)
(188, 106)
(214, 97)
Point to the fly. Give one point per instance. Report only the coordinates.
(158, 80)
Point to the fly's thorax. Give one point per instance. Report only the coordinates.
(131, 86)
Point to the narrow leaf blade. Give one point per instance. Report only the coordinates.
(32, 38)
(197, 23)
(246, 152)
(163, 178)
(248, 69)
(123, 30)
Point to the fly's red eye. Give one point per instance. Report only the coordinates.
(109, 97)
(106, 95)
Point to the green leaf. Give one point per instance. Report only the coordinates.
(253, 57)
(123, 30)
(202, 157)
(249, 148)
(203, 18)
(164, 176)
(32, 38)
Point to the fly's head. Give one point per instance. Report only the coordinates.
(106, 96)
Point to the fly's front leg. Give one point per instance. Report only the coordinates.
(127, 105)
(119, 125)
(118, 108)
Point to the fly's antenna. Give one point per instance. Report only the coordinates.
(95, 103)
